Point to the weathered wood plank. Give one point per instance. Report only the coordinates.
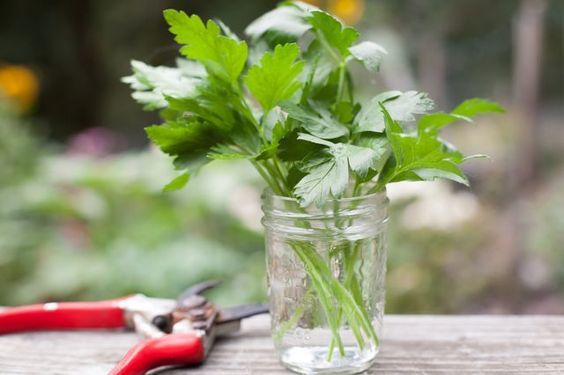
(411, 345)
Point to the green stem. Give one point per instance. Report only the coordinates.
(381, 184)
(323, 291)
(272, 183)
(280, 179)
(293, 321)
(340, 87)
(349, 260)
(328, 47)
(353, 311)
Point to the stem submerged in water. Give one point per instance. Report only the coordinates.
(338, 299)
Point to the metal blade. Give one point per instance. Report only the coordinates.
(234, 313)
(197, 289)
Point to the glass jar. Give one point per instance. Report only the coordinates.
(326, 267)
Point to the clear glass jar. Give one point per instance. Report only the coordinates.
(326, 268)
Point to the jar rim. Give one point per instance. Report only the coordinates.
(285, 215)
(380, 195)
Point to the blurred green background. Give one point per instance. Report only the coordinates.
(82, 214)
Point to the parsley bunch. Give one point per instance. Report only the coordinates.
(285, 101)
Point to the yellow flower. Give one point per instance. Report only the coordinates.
(18, 84)
(350, 11)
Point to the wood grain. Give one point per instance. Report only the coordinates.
(411, 345)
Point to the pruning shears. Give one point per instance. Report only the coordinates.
(177, 332)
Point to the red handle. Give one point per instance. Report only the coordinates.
(176, 349)
(65, 315)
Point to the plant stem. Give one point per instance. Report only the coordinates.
(328, 287)
(340, 87)
(323, 291)
(276, 169)
(266, 175)
(341, 301)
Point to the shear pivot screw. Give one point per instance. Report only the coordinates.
(162, 322)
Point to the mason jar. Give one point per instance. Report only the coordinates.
(326, 267)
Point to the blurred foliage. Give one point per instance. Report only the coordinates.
(17, 146)
(547, 234)
(82, 227)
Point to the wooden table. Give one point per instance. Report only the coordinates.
(411, 345)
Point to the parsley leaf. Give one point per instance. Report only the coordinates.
(369, 53)
(420, 157)
(432, 123)
(332, 34)
(275, 79)
(288, 19)
(188, 141)
(326, 177)
(178, 182)
(321, 179)
(221, 55)
(318, 121)
(151, 84)
(401, 107)
(476, 106)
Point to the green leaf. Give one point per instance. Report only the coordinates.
(328, 178)
(215, 103)
(421, 157)
(177, 183)
(444, 169)
(332, 34)
(225, 152)
(319, 65)
(400, 106)
(318, 122)
(275, 79)
(278, 132)
(370, 54)
(434, 122)
(476, 106)
(273, 124)
(345, 111)
(316, 140)
(382, 148)
(292, 149)
(360, 159)
(314, 160)
(226, 30)
(391, 126)
(209, 111)
(191, 68)
(288, 19)
(252, 150)
(188, 142)
(221, 55)
(151, 84)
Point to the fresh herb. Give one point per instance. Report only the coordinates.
(293, 112)
(285, 101)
